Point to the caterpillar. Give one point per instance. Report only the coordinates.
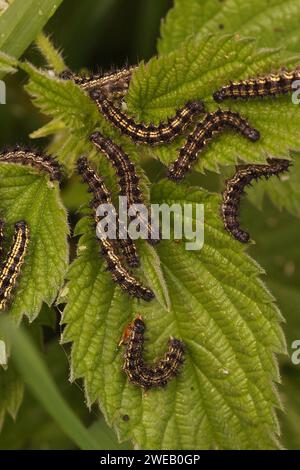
(11, 267)
(101, 193)
(113, 84)
(1, 234)
(267, 85)
(127, 175)
(212, 124)
(148, 134)
(145, 375)
(234, 189)
(120, 275)
(35, 159)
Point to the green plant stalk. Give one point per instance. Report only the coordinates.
(22, 21)
(40, 383)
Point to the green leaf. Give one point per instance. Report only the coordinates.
(195, 71)
(62, 100)
(22, 21)
(154, 275)
(74, 115)
(7, 63)
(53, 57)
(74, 118)
(11, 393)
(52, 127)
(272, 22)
(219, 307)
(26, 195)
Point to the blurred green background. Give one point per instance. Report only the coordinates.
(99, 35)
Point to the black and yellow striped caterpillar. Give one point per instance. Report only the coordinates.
(109, 248)
(113, 84)
(145, 375)
(35, 159)
(148, 134)
(212, 124)
(127, 177)
(11, 268)
(263, 86)
(234, 189)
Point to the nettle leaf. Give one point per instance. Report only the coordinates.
(272, 22)
(7, 63)
(11, 393)
(217, 305)
(52, 56)
(62, 100)
(74, 115)
(26, 195)
(195, 71)
(74, 118)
